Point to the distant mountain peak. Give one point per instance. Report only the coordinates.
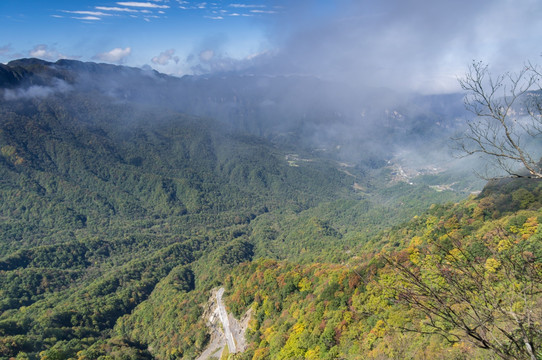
(24, 62)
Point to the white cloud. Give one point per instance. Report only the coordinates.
(116, 55)
(149, 17)
(165, 57)
(91, 13)
(258, 55)
(113, 8)
(206, 55)
(403, 45)
(263, 11)
(247, 6)
(42, 51)
(143, 5)
(93, 18)
(36, 91)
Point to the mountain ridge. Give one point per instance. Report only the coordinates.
(305, 111)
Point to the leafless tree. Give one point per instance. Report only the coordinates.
(508, 111)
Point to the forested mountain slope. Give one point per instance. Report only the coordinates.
(118, 214)
(461, 281)
(305, 110)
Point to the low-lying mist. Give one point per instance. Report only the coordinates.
(304, 113)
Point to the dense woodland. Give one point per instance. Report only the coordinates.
(117, 219)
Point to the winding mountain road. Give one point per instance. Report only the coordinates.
(223, 315)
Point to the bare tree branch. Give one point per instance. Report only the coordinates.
(508, 113)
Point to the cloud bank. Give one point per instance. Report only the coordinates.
(404, 44)
(117, 55)
(43, 51)
(165, 57)
(36, 91)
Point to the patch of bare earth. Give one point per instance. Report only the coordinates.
(224, 328)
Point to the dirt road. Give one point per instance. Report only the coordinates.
(223, 315)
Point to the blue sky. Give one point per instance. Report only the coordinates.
(156, 33)
(416, 45)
